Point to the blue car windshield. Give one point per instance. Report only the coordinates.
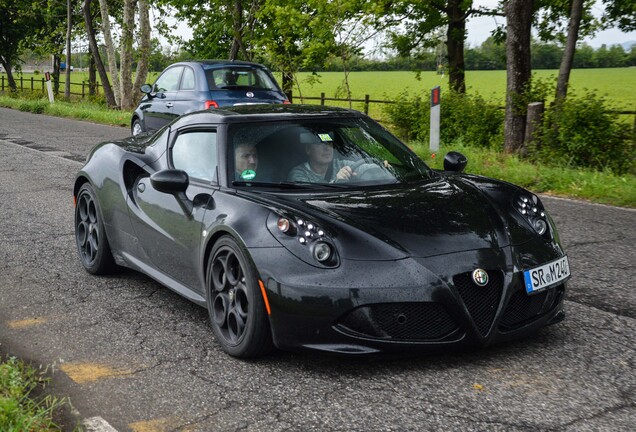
(340, 152)
(237, 77)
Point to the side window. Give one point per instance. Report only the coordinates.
(195, 153)
(169, 80)
(187, 82)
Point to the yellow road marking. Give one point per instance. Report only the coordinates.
(155, 425)
(87, 372)
(25, 323)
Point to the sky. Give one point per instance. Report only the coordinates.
(480, 28)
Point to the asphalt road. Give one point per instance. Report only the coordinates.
(128, 350)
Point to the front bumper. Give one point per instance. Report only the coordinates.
(406, 305)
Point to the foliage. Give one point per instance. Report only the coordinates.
(20, 410)
(467, 117)
(599, 186)
(581, 133)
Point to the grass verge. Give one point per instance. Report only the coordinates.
(598, 186)
(20, 408)
(72, 109)
(601, 187)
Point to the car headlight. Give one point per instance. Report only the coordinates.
(304, 238)
(530, 207)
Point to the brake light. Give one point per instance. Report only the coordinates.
(211, 104)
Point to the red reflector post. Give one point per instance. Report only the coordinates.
(211, 104)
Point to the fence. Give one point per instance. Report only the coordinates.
(31, 84)
(322, 98)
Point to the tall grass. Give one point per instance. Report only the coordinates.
(20, 409)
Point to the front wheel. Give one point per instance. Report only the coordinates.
(90, 234)
(235, 304)
(136, 127)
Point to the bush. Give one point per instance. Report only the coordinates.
(469, 118)
(581, 133)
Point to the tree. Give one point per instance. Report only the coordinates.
(110, 50)
(426, 23)
(88, 20)
(621, 13)
(519, 14)
(17, 21)
(570, 46)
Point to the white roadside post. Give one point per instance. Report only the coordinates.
(435, 118)
(47, 78)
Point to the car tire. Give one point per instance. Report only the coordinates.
(237, 310)
(136, 128)
(90, 234)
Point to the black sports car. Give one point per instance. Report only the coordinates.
(305, 227)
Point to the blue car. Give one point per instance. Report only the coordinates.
(197, 85)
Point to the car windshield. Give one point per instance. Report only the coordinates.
(310, 154)
(233, 77)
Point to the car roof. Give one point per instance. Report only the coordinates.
(266, 112)
(220, 63)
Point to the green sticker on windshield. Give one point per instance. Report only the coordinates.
(325, 137)
(248, 174)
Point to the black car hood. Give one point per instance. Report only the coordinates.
(441, 216)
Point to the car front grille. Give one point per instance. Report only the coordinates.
(399, 321)
(523, 308)
(481, 302)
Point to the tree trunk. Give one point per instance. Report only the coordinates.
(288, 82)
(519, 22)
(144, 46)
(570, 47)
(110, 49)
(455, 37)
(92, 74)
(69, 27)
(8, 68)
(127, 34)
(237, 29)
(56, 74)
(88, 20)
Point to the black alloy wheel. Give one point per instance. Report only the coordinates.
(237, 310)
(90, 235)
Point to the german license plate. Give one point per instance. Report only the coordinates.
(540, 278)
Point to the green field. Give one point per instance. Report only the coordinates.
(617, 85)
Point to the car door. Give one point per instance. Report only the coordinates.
(168, 231)
(159, 110)
(186, 99)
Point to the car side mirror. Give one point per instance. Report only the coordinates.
(172, 182)
(146, 88)
(455, 161)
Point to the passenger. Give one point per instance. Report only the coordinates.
(321, 167)
(245, 161)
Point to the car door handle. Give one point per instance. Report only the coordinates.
(169, 104)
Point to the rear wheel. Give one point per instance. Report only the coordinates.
(237, 310)
(90, 235)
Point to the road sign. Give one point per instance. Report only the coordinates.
(435, 119)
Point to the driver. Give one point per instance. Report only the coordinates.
(245, 161)
(321, 167)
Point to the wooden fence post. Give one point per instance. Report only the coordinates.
(2, 82)
(31, 83)
(21, 83)
(366, 104)
(534, 117)
(322, 98)
(82, 89)
(42, 85)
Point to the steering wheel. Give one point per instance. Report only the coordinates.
(367, 169)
